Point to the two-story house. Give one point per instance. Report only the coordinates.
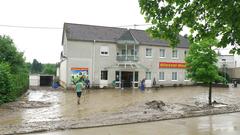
(123, 56)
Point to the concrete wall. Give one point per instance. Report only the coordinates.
(34, 80)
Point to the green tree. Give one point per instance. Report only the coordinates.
(13, 71)
(36, 67)
(205, 18)
(10, 55)
(49, 69)
(201, 64)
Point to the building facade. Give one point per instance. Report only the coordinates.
(119, 57)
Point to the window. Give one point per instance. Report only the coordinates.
(104, 51)
(104, 75)
(148, 52)
(132, 52)
(161, 76)
(148, 76)
(136, 76)
(162, 53)
(123, 52)
(174, 76)
(223, 59)
(174, 54)
(186, 76)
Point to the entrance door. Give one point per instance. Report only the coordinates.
(127, 79)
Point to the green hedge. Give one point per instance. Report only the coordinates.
(5, 83)
(11, 85)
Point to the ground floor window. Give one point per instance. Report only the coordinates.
(174, 76)
(148, 76)
(161, 76)
(104, 75)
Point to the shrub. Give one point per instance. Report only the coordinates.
(5, 83)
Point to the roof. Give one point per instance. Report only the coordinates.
(81, 32)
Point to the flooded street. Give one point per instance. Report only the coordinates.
(225, 124)
(58, 105)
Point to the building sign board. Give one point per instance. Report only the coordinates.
(78, 73)
(172, 65)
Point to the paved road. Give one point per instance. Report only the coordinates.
(225, 124)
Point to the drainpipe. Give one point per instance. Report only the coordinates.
(93, 59)
(134, 50)
(126, 52)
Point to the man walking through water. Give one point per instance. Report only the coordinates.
(79, 87)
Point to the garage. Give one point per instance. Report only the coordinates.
(40, 80)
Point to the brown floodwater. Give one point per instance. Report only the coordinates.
(225, 124)
(63, 104)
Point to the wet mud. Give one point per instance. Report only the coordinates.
(46, 110)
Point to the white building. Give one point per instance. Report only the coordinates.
(108, 54)
(227, 60)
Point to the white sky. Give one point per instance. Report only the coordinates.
(45, 44)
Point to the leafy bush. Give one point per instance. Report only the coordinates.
(5, 82)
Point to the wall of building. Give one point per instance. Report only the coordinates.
(104, 63)
(87, 55)
(63, 73)
(228, 60)
(153, 64)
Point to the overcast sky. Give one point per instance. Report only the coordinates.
(45, 44)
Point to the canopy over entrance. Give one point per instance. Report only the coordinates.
(127, 38)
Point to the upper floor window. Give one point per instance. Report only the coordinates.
(162, 53)
(174, 54)
(123, 52)
(148, 52)
(104, 51)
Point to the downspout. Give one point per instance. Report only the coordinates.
(93, 58)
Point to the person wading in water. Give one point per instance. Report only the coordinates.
(79, 87)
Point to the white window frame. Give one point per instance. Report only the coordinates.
(176, 52)
(176, 74)
(160, 79)
(185, 77)
(163, 53)
(105, 50)
(146, 53)
(147, 76)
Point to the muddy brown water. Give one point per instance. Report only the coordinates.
(63, 104)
